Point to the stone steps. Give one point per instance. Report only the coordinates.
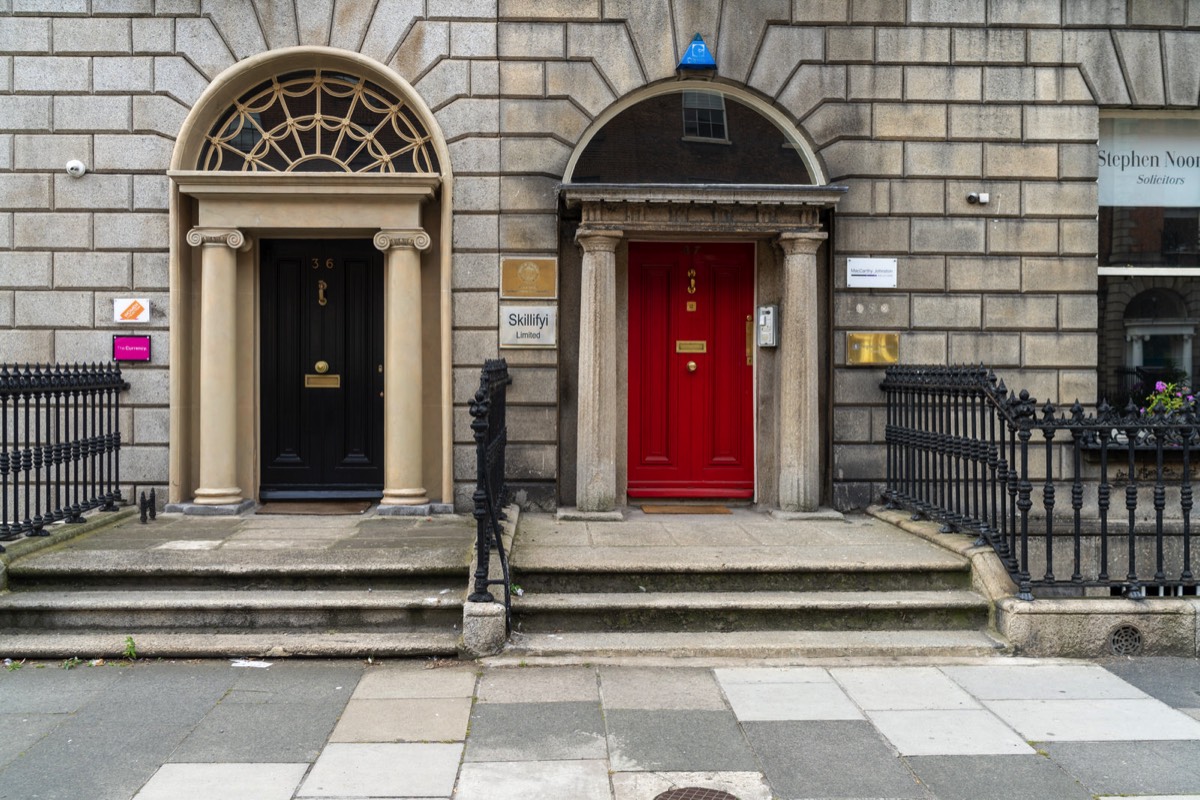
(749, 611)
(222, 644)
(753, 644)
(344, 610)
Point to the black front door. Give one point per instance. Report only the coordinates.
(322, 369)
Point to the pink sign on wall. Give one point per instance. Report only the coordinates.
(131, 348)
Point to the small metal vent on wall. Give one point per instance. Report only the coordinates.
(1125, 640)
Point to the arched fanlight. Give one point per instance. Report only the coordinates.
(318, 121)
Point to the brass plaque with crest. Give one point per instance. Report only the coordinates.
(528, 278)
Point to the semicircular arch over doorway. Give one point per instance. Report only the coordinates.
(666, 180)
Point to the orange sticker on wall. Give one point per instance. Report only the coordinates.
(131, 309)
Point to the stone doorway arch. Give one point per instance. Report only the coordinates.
(784, 219)
(239, 175)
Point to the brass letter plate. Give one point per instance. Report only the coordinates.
(685, 346)
(864, 349)
(322, 381)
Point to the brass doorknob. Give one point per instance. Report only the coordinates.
(691, 365)
(321, 367)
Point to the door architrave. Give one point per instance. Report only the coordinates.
(680, 212)
(326, 205)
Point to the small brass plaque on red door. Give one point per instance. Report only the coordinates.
(685, 346)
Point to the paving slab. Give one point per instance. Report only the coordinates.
(303, 682)
(23, 731)
(1094, 720)
(954, 732)
(259, 732)
(112, 745)
(442, 719)
(644, 785)
(413, 682)
(539, 685)
(809, 760)
(536, 732)
(1131, 768)
(1042, 682)
(996, 778)
(752, 675)
(790, 701)
(383, 770)
(630, 687)
(902, 688)
(1174, 681)
(524, 780)
(223, 782)
(677, 741)
(47, 689)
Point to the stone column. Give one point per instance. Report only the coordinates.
(218, 357)
(596, 453)
(403, 423)
(799, 369)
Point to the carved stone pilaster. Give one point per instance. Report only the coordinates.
(403, 421)
(596, 451)
(799, 364)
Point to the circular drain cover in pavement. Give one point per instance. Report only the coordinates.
(695, 793)
(1125, 640)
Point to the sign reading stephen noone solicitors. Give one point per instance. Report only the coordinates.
(1146, 161)
(528, 326)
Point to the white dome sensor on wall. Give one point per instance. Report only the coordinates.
(76, 168)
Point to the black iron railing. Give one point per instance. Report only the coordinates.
(491, 438)
(963, 450)
(60, 444)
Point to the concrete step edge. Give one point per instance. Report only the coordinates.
(756, 644)
(831, 601)
(273, 599)
(204, 644)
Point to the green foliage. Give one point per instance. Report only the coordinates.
(130, 649)
(72, 662)
(1168, 397)
(13, 666)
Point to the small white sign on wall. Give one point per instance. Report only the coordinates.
(528, 326)
(131, 309)
(871, 273)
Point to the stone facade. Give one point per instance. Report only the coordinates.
(912, 104)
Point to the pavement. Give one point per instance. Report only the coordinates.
(632, 729)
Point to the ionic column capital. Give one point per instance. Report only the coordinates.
(598, 241)
(218, 237)
(796, 243)
(397, 238)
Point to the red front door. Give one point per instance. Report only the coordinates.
(691, 424)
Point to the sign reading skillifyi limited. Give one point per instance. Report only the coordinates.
(528, 326)
(1149, 162)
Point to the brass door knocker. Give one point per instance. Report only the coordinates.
(321, 287)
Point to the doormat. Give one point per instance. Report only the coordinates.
(325, 507)
(683, 509)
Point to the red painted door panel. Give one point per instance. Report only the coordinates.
(691, 430)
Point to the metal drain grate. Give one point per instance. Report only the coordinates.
(1125, 640)
(695, 793)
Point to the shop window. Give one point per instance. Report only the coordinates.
(704, 116)
(1148, 252)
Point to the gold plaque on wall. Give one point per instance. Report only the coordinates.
(869, 349)
(525, 278)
